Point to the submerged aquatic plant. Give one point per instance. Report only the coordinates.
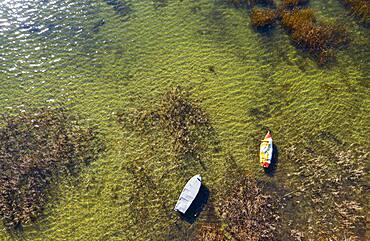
(180, 118)
(35, 149)
(261, 2)
(319, 40)
(236, 3)
(261, 18)
(292, 20)
(121, 7)
(144, 189)
(183, 120)
(250, 3)
(293, 3)
(174, 135)
(331, 189)
(249, 212)
(360, 8)
(210, 232)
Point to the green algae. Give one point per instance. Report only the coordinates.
(257, 82)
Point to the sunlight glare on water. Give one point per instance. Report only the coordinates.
(39, 34)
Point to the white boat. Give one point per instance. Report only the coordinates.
(188, 194)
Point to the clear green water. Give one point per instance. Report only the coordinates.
(57, 52)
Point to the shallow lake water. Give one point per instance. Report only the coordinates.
(100, 58)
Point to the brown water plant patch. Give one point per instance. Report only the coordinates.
(184, 121)
(250, 212)
(180, 118)
(319, 40)
(331, 189)
(35, 149)
(292, 20)
(360, 8)
(210, 232)
(261, 18)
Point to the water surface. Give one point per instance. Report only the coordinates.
(102, 57)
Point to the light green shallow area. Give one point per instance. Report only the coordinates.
(129, 62)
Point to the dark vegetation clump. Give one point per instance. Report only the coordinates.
(293, 3)
(98, 25)
(160, 3)
(182, 120)
(210, 232)
(144, 189)
(249, 211)
(293, 20)
(120, 7)
(250, 3)
(36, 149)
(330, 186)
(360, 8)
(236, 3)
(261, 2)
(262, 18)
(319, 40)
(177, 133)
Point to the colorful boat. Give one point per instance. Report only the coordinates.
(266, 149)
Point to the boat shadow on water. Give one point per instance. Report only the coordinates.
(196, 206)
(270, 171)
